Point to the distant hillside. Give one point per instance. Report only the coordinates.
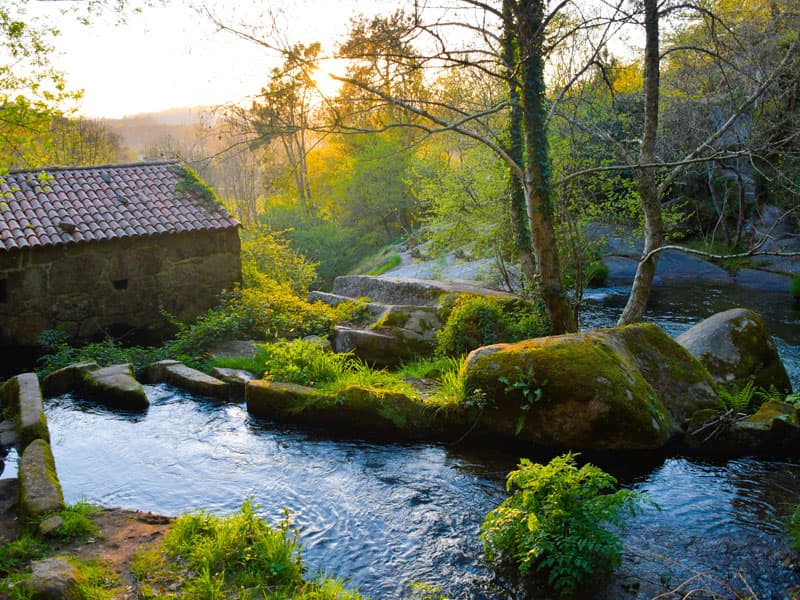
(159, 134)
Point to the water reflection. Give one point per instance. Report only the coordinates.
(386, 516)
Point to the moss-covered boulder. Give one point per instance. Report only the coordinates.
(568, 391)
(39, 488)
(736, 347)
(678, 379)
(373, 347)
(774, 426)
(23, 397)
(114, 386)
(359, 410)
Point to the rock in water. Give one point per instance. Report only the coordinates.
(625, 389)
(736, 347)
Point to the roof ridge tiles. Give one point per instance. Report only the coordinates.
(152, 163)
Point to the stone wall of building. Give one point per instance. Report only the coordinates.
(115, 285)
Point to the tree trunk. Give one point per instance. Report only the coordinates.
(516, 191)
(645, 178)
(538, 194)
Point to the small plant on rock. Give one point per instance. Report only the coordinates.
(739, 399)
(556, 522)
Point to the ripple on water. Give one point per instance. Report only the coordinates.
(385, 516)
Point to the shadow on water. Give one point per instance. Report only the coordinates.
(387, 515)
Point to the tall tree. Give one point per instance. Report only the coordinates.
(284, 113)
(523, 24)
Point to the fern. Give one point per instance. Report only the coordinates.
(739, 399)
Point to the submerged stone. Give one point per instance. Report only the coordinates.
(736, 347)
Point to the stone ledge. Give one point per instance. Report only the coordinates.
(176, 373)
(114, 386)
(23, 396)
(39, 488)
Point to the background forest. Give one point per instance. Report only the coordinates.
(420, 126)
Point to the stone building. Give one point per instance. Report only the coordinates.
(104, 250)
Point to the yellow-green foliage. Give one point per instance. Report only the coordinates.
(268, 255)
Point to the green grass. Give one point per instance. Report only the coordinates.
(17, 554)
(207, 557)
(378, 263)
(77, 524)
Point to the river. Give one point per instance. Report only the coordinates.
(385, 516)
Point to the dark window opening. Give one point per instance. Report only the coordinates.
(3, 291)
(120, 284)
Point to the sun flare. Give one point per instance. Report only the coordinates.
(324, 76)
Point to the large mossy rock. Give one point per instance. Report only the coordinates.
(678, 379)
(736, 347)
(39, 488)
(617, 389)
(114, 386)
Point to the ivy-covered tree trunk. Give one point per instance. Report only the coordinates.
(645, 177)
(516, 190)
(538, 192)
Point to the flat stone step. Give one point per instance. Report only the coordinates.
(196, 382)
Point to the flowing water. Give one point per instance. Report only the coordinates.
(387, 515)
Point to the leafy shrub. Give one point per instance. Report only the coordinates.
(239, 556)
(596, 273)
(76, 523)
(107, 352)
(14, 555)
(269, 255)
(476, 321)
(555, 521)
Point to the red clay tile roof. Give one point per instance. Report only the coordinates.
(85, 204)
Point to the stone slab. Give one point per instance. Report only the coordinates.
(176, 373)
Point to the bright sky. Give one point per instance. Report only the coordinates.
(170, 56)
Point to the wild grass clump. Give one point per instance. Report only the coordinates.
(76, 521)
(555, 523)
(239, 556)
